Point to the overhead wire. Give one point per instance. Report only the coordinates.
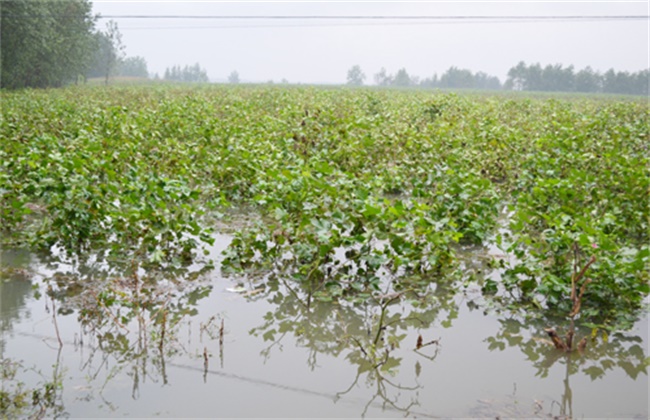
(359, 17)
(354, 20)
(379, 17)
(362, 20)
(324, 25)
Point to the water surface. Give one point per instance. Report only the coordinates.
(162, 351)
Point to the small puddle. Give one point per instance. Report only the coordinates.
(209, 346)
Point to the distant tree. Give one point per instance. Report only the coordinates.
(355, 76)
(44, 43)
(642, 82)
(555, 78)
(586, 80)
(115, 53)
(186, 74)
(456, 78)
(233, 78)
(484, 81)
(517, 77)
(534, 77)
(109, 52)
(101, 45)
(430, 82)
(382, 78)
(134, 67)
(284, 81)
(565, 79)
(402, 78)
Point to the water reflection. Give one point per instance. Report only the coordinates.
(139, 333)
(15, 397)
(604, 354)
(15, 288)
(370, 335)
(128, 321)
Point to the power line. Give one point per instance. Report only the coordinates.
(329, 25)
(357, 17)
(379, 17)
(367, 20)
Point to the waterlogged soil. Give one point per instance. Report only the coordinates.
(215, 346)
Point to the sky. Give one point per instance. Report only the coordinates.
(322, 50)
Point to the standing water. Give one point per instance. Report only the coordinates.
(79, 344)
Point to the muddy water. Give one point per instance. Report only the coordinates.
(220, 347)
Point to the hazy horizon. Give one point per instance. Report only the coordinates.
(321, 51)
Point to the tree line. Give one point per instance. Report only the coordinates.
(186, 74)
(557, 78)
(54, 43)
(45, 44)
(522, 77)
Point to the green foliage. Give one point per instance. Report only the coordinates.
(19, 400)
(90, 185)
(45, 43)
(356, 191)
(583, 191)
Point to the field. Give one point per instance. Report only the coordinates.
(361, 215)
(396, 181)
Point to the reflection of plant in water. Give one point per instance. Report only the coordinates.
(369, 334)
(15, 288)
(18, 400)
(594, 357)
(604, 353)
(131, 319)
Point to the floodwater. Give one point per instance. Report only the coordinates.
(212, 346)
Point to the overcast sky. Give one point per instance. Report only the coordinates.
(321, 51)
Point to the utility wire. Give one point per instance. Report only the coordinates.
(322, 25)
(355, 17)
(377, 17)
(372, 20)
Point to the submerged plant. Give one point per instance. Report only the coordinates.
(349, 188)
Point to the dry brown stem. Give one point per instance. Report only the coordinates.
(582, 345)
(576, 299)
(557, 341)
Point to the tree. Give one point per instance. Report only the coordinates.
(517, 77)
(457, 79)
(187, 74)
(586, 80)
(233, 78)
(564, 79)
(44, 43)
(382, 78)
(114, 54)
(109, 52)
(134, 67)
(402, 78)
(356, 76)
(430, 82)
(484, 81)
